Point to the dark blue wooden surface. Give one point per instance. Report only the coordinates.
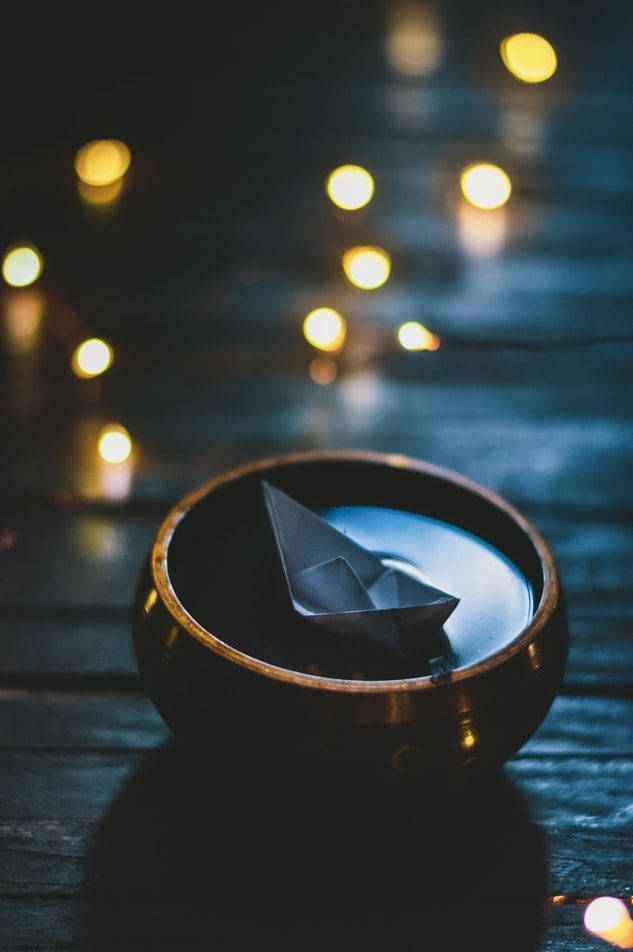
(200, 275)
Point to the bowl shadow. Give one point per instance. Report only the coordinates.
(253, 852)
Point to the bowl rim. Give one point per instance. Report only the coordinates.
(545, 609)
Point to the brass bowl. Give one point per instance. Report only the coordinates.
(209, 690)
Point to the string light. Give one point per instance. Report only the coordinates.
(350, 187)
(529, 57)
(415, 336)
(325, 329)
(485, 185)
(91, 358)
(21, 266)
(102, 161)
(366, 268)
(115, 444)
(609, 919)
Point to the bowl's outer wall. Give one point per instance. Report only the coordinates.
(479, 722)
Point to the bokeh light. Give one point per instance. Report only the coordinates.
(609, 918)
(367, 268)
(115, 444)
(415, 336)
(22, 311)
(100, 194)
(325, 329)
(350, 187)
(102, 161)
(323, 370)
(414, 41)
(529, 57)
(21, 265)
(91, 358)
(485, 185)
(481, 233)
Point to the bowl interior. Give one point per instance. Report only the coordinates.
(224, 571)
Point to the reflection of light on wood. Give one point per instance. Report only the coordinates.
(469, 739)
(414, 42)
(115, 479)
(350, 187)
(99, 539)
(529, 57)
(361, 395)
(114, 443)
(366, 267)
(415, 336)
(558, 900)
(91, 358)
(609, 919)
(102, 161)
(325, 329)
(485, 185)
(100, 194)
(522, 130)
(323, 370)
(481, 233)
(22, 311)
(21, 265)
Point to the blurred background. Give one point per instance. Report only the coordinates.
(233, 232)
(199, 265)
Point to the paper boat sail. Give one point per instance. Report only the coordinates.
(339, 585)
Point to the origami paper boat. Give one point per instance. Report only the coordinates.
(339, 585)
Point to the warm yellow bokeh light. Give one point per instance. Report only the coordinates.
(350, 187)
(102, 161)
(22, 311)
(100, 194)
(325, 329)
(485, 185)
(21, 266)
(115, 444)
(529, 57)
(366, 268)
(91, 358)
(609, 918)
(415, 336)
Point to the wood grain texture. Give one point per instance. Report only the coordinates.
(200, 275)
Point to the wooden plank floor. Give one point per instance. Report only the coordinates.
(200, 274)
